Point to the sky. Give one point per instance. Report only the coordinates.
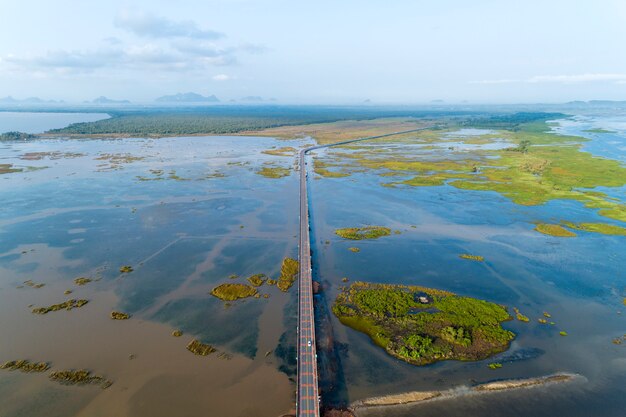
(315, 52)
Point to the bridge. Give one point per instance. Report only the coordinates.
(307, 394)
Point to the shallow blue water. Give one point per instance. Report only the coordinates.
(31, 122)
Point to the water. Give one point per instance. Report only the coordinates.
(185, 213)
(36, 122)
(580, 281)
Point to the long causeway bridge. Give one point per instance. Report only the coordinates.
(307, 397)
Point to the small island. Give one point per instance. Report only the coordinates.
(423, 325)
(360, 233)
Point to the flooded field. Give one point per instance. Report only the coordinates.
(185, 214)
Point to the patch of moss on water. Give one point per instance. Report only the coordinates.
(355, 250)
(554, 230)
(284, 151)
(467, 256)
(603, 228)
(231, 292)
(563, 333)
(30, 283)
(423, 325)
(24, 365)
(321, 168)
(257, 280)
(82, 280)
(520, 316)
(274, 172)
(117, 315)
(126, 269)
(66, 305)
(495, 365)
(177, 333)
(271, 281)
(198, 348)
(288, 273)
(79, 377)
(360, 233)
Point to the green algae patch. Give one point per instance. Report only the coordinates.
(563, 333)
(355, 250)
(24, 365)
(520, 316)
(360, 233)
(284, 151)
(201, 349)
(288, 273)
(79, 377)
(321, 168)
(274, 172)
(495, 365)
(603, 228)
(177, 333)
(117, 315)
(424, 325)
(554, 230)
(231, 292)
(82, 281)
(598, 130)
(469, 257)
(30, 283)
(126, 269)
(8, 169)
(257, 280)
(66, 305)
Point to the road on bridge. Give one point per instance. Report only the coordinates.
(307, 398)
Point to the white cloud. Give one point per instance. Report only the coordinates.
(563, 79)
(222, 77)
(152, 26)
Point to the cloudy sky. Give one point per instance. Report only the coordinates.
(323, 51)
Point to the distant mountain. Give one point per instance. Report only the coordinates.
(252, 98)
(8, 99)
(29, 100)
(187, 98)
(105, 100)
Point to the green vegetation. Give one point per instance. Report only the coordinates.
(82, 280)
(66, 305)
(126, 269)
(79, 377)
(563, 333)
(30, 283)
(288, 273)
(423, 325)
(520, 316)
(8, 169)
(231, 292)
(360, 233)
(495, 365)
(16, 136)
(598, 130)
(198, 348)
(321, 168)
(257, 279)
(605, 229)
(116, 315)
(553, 230)
(355, 250)
(24, 365)
(274, 172)
(177, 333)
(471, 257)
(284, 151)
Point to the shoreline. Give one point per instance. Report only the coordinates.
(415, 397)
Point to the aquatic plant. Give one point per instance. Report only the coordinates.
(563, 333)
(284, 151)
(32, 284)
(116, 315)
(79, 377)
(553, 230)
(198, 348)
(67, 292)
(542, 321)
(423, 325)
(271, 281)
(495, 365)
(288, 273)
(233, 276)
(274, 172)
(257, 279)
(344, 279)
(603, 228)
(66, 305)
(24, 365)
(177, 333)
(8, 169)
(82, 280)
(520, 316)
(355, 250)
(360, 233)
(471, 257)
(126, 269)
(231, 292)
(546, 314)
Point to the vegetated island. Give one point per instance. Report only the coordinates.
(423, 325)
(360, 233)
